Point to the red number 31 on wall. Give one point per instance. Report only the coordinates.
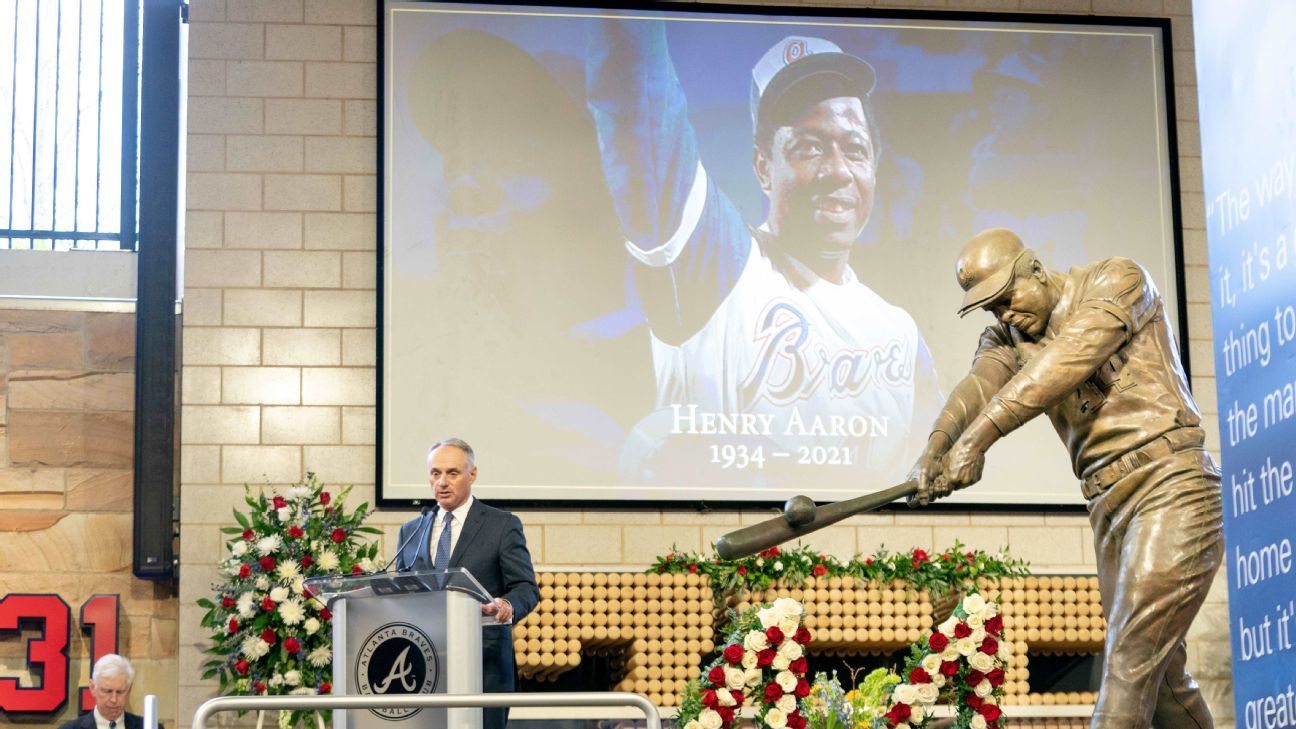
(47, 655)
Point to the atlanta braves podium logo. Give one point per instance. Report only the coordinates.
(397, 658)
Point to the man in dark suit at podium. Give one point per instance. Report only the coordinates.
(110, 684)
(486, 541)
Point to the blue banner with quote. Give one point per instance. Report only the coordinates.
(1246, 76)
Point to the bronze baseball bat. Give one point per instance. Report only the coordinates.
(800, 517)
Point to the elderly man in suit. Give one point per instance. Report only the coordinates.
(110, 684)
(486, 541)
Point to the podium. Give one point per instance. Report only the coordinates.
(406, 633)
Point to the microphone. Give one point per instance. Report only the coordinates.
(422, 515)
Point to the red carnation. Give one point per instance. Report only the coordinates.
(819, 571)
(245, 571)
(802, 635)
(338, 535)
(989, 646)
(325, 614)
(765, 657)
(990, 712)
(773, 691)
(733, 654)
(799, 666)
(326, 688)
(248, 534)
(268, 635)
(709, 699)
(974, 677)
(291, 645)
(868, 561)
(920, 556)
(994, 625)
(324, 497)
(949, 669)
(774, 635)
(227, 602)
(267, 563)
(279, 502)
(693, 569)
(742, 570)
(937, 642)
(355, 569)
(233, 625)
(306, 561)
(241, 666)
(996, 677)
(961, 630)
(267, 604)
(295, 532)
(919, 676)
(717, 675)
(259, 687)
(802, 689)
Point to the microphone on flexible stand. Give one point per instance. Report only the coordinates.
(422, 515)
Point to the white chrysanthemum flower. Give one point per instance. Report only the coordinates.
(234, 567)
(253, 647)
(755, 641)
(973, 604)
(316, 546)
(981, 662)
(268, 544)
(292, 612)
(293, 678)
(776, 719)
(786, 703)
(311, 625)
(320, 657)
(905, 693)
(262, 583)
(750, 660)
(279, 593)
(239, 548)
(298, 493)
(288, 570)
(786, 680)
(709, 719)
(246, 605)
(327, 561)
(299, 585)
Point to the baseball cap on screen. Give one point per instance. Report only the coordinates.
(801, 63)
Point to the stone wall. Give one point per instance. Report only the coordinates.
(67, 401)
(280, 306)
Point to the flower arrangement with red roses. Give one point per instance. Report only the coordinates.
(963, 659)
(763, 662)
(268, 635)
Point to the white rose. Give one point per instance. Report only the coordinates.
(303, 691)
(293, 678)
(916, 713)
(760, 561)
(950, 653)
(965, 646)
(931, 663)
(285, 514)
(695, 724)
(239, 548)
(786, 703)
(768, 617)
(975, 620)
(725, 698)
(786, 680)
(789, 625)
(978, 722)
(311, 626)
(753, 677)
(776, 719)
(709, 719)
(905, 693)
(981, 662)
(367, 564)
(279, 594)
(735, 678)
(781, 663)
(276, 680)
(990, 611)
(978, 635)
(750, 659)
(938, 680)
(928, 693)
(778, 566)
(755, 641)
(788, 606)
(947, 627)
(973, 604)
(262, 583)
(791, 649)
(902, 725)
(984, 689)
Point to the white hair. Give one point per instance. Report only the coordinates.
(113, 665)
(455, 443)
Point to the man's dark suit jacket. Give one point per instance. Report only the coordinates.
(86, 721)
(493, 548)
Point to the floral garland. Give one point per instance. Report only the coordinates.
(953, 569)
(268, 635)
(964, 656)
(763, 660)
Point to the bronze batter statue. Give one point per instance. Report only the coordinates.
(1093, 349)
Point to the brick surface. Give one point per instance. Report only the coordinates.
(264, 78)
(262, 307)
(71, 390)
(303, 269)
(247, 153)
(342, 80)
(103, 440)
(304, 425)
(223, 115)
(303, 192)
(317, 347)
(57, 351)
(265, 230)
(304, 42)
(100, 490)
(110, 341)
(39, 322)
(341, 231)
(303, 116)
(340, 308)
(264, 11)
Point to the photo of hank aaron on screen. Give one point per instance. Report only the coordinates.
(648, 258)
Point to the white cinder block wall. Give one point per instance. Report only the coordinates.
(280, 306)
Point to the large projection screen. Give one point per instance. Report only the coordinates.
(592, 272)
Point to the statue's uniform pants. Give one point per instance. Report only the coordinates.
(1158, 534)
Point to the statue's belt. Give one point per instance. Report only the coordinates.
(1174, 441)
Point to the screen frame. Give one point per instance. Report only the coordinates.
(1160, 25)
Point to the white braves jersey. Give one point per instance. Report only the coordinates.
(829, 364)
